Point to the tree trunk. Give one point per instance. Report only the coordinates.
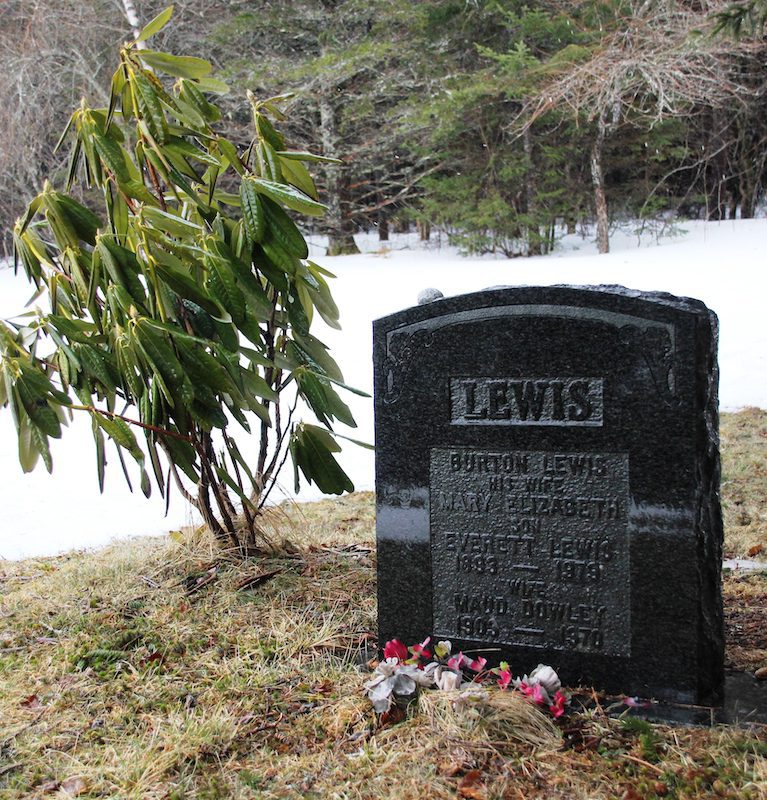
(401, 225)
(132, 16)
(383, 225)
(340, 227)
(424, 230)
(533, 232)
(598, 182)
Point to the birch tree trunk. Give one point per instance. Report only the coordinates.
(598, 182)
(135, 24)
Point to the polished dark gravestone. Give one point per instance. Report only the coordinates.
(547, 478)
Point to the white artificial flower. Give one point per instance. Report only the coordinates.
(546, 677)
(447, 679)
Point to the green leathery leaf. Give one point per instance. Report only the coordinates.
(129, 366)
(284, 231)
(187, 114)
(171, 223)
(121, 434)
(40, 441)
(155, 25)
(94, 362)
(258, 386)
(101, 460)
(229, 151)
(183, 284)
(296, 173)
(279, 257)
(38, 410)
(188, 150)
(227, 335)
(323, 301)
(267, 132)
(232, 484)
(271, 162)
(178, 66)
(184, 456)
(28, 451)
(289, 196)
(252, 211)
(112, 155)
(150, 107)
(117, 211)
(222, 285)
(159, 353)
(305, 299)
(212, 86)
(313, 392)
(303, 155)
(312, 449)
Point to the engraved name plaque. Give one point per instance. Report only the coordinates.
(531, 548)
(526, 401)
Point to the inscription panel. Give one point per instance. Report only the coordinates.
(530, 548)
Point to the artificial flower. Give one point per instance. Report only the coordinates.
(546, 677)
(447, 679)
(557, 708)
(395, 649)
(419, 650)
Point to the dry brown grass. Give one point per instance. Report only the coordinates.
(143, 671)
(744, 482)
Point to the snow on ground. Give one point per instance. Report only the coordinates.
(720, 263)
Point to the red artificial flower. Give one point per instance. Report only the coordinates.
(557, 708)
(420, 650)
(395, 649)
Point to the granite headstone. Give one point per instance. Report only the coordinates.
(547, 478)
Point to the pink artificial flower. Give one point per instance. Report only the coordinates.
(534, 692)
(636, 702)
(538, 696)
(557, 708)
(477, 665)
(395, 649)
(456, 661)
(419, 650)
(504, 678)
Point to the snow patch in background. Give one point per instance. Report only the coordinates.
(720, 263)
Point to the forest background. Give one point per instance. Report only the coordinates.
(500, 122)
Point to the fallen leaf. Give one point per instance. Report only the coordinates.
(755, 550)
(470, 786)
(33, 702)
(74, 786)
(49, 786)
(256, 580)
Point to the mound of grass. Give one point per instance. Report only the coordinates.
(158, 669)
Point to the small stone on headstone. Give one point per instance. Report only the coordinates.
(429, 296)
